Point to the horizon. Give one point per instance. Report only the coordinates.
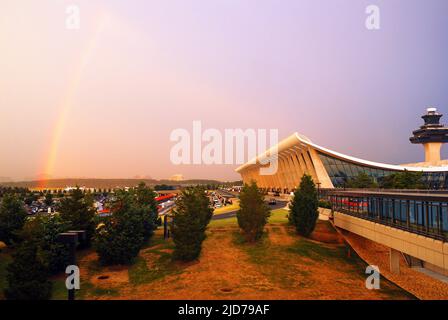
(101, 101)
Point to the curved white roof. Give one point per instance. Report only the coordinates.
(298, 139)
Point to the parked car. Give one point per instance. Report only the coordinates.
(272, 201)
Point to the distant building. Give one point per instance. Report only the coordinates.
(177, 177)
(297, 155)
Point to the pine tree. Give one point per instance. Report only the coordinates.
(27, 276)
(119, 239)
(190, 219)
(254, 213)
(145, 198)
(78, 211)
(303, 211)
(12, 218)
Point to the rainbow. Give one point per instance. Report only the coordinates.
(67, 103)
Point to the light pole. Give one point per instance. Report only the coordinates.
(72, 238)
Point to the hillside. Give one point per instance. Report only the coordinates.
(101, 183)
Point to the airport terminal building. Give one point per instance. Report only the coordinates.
(297, 155)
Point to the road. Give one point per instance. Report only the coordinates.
(230, 214)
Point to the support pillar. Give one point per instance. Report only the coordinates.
(394, 261)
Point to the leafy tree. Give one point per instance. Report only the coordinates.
(27, 275)
(362, 180)
(254, 213)
(12, 218)
(303, 211)
(78, 211)
(190, 219)
(119, 239)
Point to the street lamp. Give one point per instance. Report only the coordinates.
(71, 238)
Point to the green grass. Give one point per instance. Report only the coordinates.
(141, 273)
(228, 222)
(272, 261)
(232, 207)
(279, 216)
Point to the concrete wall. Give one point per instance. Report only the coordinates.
(429, 250)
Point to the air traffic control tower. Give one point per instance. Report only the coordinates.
(432, 135)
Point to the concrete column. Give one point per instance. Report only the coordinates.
(394, 261)
(432, 152)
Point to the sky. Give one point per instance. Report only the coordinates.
(101, 101)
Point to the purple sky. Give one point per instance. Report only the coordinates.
(306, 66)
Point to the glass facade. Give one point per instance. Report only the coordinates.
(341, 171)
(429, 218)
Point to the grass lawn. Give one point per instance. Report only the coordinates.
(279, 216)
(232, 207)
(282, 265)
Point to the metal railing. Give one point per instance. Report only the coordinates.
(420, 213)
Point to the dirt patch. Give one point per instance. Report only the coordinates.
(284, 267)
(419, 284)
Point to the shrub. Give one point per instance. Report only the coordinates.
(325, 204)
(254, 213)
(190, 219)
(303, 211)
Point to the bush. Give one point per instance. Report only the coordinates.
(27, 275)
(303, 211)
(254, 213)
(190, 219)
(325, 204)
(12, 218)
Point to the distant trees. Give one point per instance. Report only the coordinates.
(78, 211)
(403, 180)
(253, 213)
(303, 210)
(362, 180)
(190, 219)
(397, 180)
(48, 199)
(12, 218)
(27, 277)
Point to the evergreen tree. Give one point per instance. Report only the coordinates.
(303, 211)
(190, 219)
(78, 211)
(254, 213)
(119, 239)
(43, 230)
(145, 198)
(48, 199)
(27, 275)
(12, 218)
